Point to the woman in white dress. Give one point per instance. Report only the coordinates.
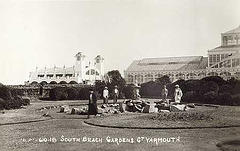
(177, 94)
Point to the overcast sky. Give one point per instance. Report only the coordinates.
(47, 33)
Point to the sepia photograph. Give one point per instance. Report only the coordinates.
(120, 75)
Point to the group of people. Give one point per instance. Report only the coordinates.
(177, 94)
(92, 104)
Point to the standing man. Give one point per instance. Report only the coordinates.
(177, 94)
(92, 104)
(105, 95)
(115, 94)
(165, 93)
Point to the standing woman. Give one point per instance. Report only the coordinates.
(177, 94)
(115, 94)
(92, 104)
(105, 95)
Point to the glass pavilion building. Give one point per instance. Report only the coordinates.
(221, 61)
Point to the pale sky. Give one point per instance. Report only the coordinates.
(47, 33)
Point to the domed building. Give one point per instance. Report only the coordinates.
(83, 72)
(221, 61)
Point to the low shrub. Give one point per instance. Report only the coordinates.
(236, 99)
(16, 92)
(5, 92)
(191, 96)
(211, 98)
(128, 91)
(25, 101)
(84, 93)
(58, 93)
(225, 98)
(2, 104)
(72, 94)
(226, 88)
(209, 87)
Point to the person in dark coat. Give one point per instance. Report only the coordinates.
(92, 104)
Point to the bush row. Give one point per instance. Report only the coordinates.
(213, 90)
(72, 93)
(11, 98)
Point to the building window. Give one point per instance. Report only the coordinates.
(224, 40)
(235, 62)
(212, 74)
(69, 75)
(59, 75)
(171, 77)
(49, 75)
(41, 75)
(180, 76)
(225, 75)
(237, 38)
(218, 58)
(191, 76)
(139, 78)
(230, 40)
(92, 72)
(148, 77)
(201, 75)
(157, 76)
(130, 79)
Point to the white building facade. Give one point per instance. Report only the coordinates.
(83, 72)
(223, 61)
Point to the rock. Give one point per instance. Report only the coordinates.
(65, 109)
(175, 108)
(46, 115)
(61, 109)
(152, 108)
(191, 105)
(75, 111)
(122, 107)
(104, 106)
(165, 111)
(146, 109)
(100, 110)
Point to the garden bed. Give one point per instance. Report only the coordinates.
(201, 117)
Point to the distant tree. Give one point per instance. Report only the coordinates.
(128, 91)
(99, 87)
(115, 78)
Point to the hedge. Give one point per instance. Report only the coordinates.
(72, 94)
(58, 93)
(191, 97)
(128, 91)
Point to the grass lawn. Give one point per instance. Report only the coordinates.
(201, 116)
(22, 137)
